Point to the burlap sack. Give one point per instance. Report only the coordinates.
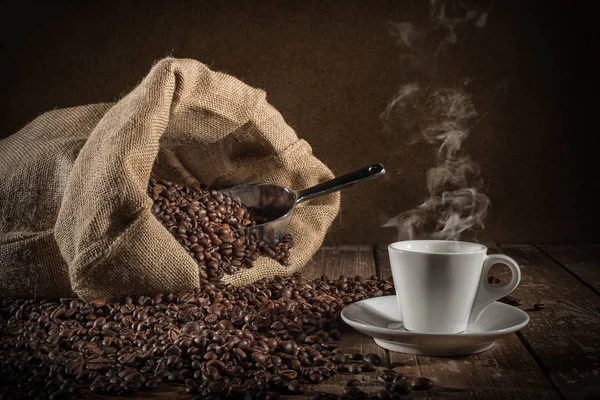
(74, 213)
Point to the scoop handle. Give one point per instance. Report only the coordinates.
(344, 181)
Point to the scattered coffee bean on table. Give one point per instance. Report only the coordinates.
(211, 228)
(352, 382)
(373, 359)
(421, 383)
(218, 341)
(539, 306)
(510, 300)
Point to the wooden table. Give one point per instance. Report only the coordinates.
(557, 355)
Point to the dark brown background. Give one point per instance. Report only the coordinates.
(330, 67)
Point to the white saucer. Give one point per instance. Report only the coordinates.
(379, 318)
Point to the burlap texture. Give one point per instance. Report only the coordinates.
(74, 213)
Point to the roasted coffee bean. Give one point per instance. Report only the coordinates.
(216, 388)
(343, 367)
(288, 374)
(151, 384)
(352, 382)
(388, 375)
(354, 392)
(354, 369)
(539, 306)
(356, 357)
(295, 387)
(316, 378)
(368, 367)
(175, 377)
(421, 383)
(511, 300)
(373, 359)
(399, 387)
(339, 359)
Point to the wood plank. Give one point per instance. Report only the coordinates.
(582, 260)
(507, 371)
(348, 261)
(565, 336)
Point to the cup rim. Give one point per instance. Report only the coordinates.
(481, 248)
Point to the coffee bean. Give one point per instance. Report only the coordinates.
(511, 300)
(288, 374)
(339, 359)
(399, 387)
(354, 392)
(354, 369)
(373, 359)
(352, 382)
(151, 384)
(368, 367)
(295, 388)
(356, 357)
(388, 375)
(216, 388)
(539, 306)
(421, 383)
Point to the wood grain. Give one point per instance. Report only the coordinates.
(507, 371)
(565, 336)
(581, 260)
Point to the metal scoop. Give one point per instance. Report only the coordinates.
(276, 203)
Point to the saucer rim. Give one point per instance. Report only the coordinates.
(396, 332)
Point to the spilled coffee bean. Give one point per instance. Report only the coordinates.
(510, 300)
(368, 367)
(373, 359)
(421, 383)
(219, 341)
(539, 306)
(354, 392)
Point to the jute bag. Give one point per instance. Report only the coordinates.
(74, 214)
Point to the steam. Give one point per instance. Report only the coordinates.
(446, 17)
(449, 15)
(442, 117)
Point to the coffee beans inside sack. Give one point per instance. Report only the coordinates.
(212, 228)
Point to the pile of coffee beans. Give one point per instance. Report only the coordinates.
(276, 336)
(211, 228)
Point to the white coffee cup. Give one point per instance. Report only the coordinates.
(442, 285)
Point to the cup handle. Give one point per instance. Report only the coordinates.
(486, 293)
